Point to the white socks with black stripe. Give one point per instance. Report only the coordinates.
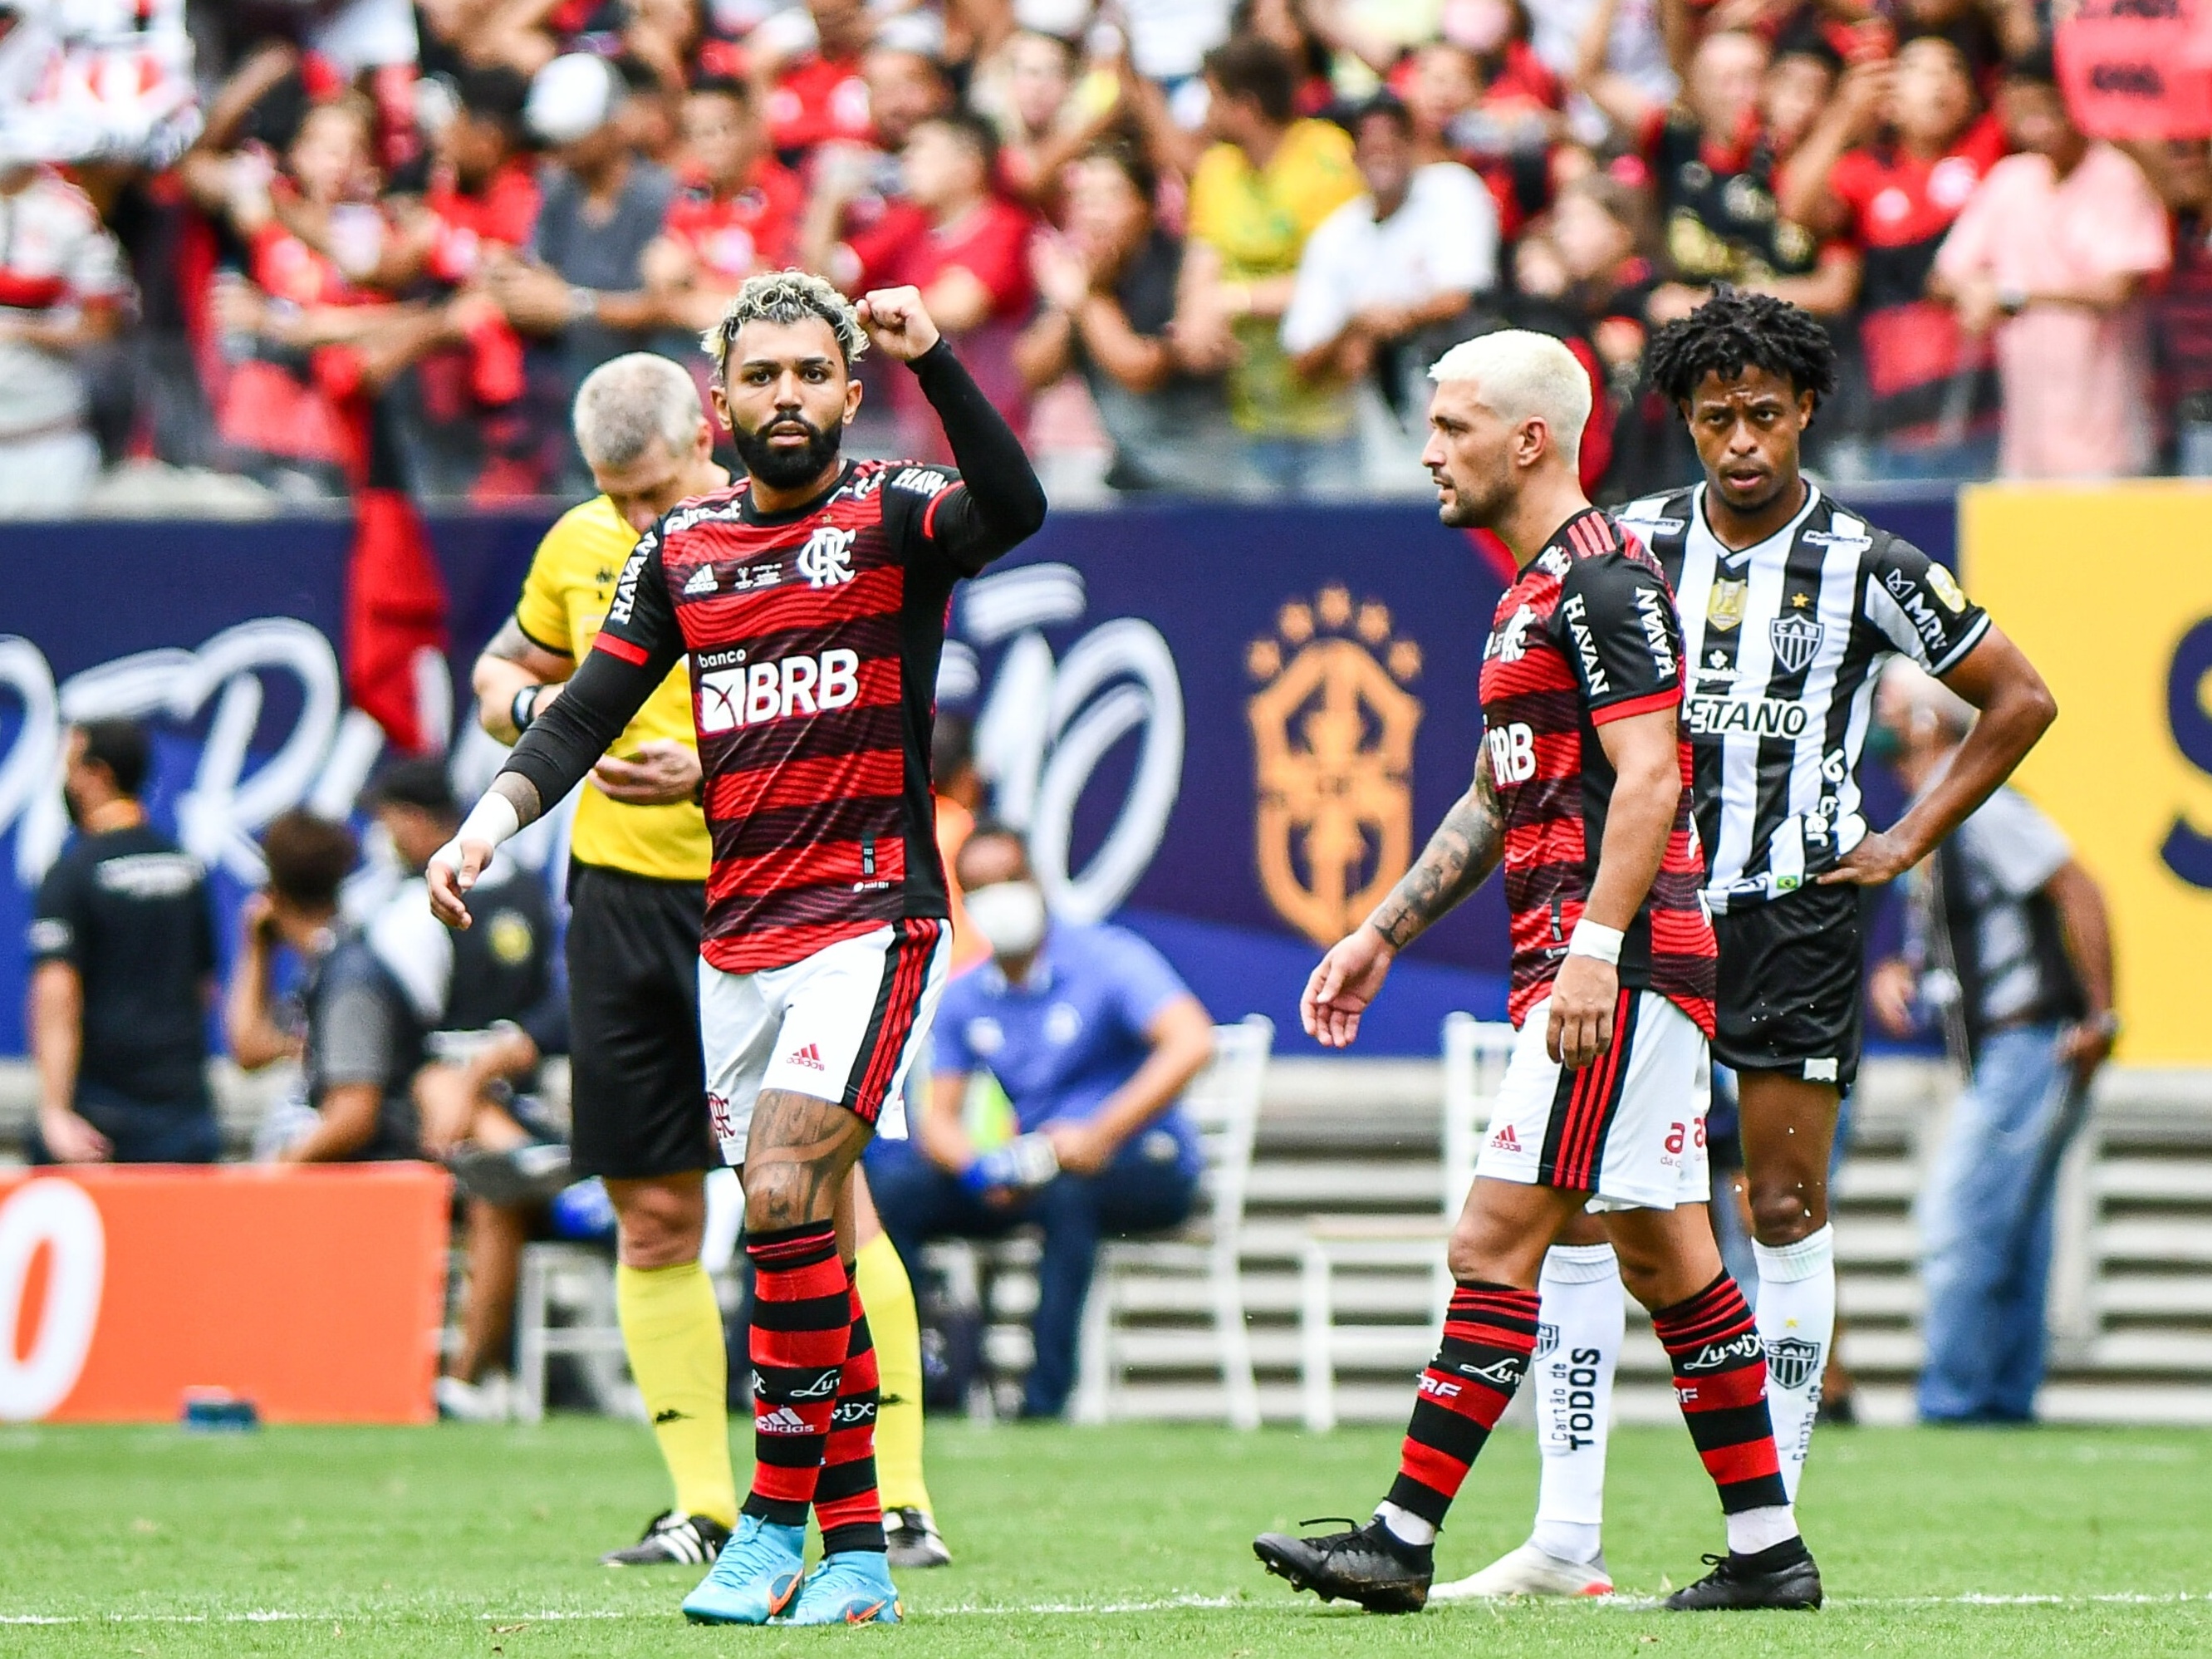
(1796, 1317)
(1578, 1336)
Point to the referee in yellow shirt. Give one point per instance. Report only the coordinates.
(639, 859)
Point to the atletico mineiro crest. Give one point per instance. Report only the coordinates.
(1796, 642)
(1793, 1362)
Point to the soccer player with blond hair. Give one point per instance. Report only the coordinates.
(1581, 793)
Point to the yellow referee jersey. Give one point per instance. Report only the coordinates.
(564, 600)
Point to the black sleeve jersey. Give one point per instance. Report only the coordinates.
(995, 500)
(1615, 624)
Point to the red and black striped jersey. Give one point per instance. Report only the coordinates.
(1588, 634)
(813, 639)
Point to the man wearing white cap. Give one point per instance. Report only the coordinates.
(580, 291)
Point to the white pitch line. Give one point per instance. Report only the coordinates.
(1056, 1609)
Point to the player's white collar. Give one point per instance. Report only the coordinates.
(1782, 540)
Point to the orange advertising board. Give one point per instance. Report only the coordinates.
(315, 1293)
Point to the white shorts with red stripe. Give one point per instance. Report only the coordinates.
(840, 1025)
(1629, 1128)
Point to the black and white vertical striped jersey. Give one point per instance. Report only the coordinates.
(1783, 642)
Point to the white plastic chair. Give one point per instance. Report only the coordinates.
(1475, 1056)
(580, 1277)
(1223, 1105)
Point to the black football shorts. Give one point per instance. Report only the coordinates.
(639, 1093)
(1792, 980)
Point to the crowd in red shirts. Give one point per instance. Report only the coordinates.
(1186, 245)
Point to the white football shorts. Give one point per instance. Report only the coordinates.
(1629, 1128)
(844, 1025)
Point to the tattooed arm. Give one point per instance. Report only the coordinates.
(511, 664)
(1458, 859)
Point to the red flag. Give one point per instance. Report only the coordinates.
(395, 609)
(395, 602)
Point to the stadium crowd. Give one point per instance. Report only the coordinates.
(1201, 245)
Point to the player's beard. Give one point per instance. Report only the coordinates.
(1476, 503)
(788, 469)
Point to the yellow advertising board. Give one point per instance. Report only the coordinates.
(2108, 589)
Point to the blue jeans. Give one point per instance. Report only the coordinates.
(1139, 1192)
(1985, 1227)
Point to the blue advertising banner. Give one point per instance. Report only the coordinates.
(1229, 729)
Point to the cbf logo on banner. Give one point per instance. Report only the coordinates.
(1333, 732)
(2127, 770)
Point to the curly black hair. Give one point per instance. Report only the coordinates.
(1734, 330)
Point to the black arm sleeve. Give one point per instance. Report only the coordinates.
(637, 645)
(1002, 504)
(1616, 625)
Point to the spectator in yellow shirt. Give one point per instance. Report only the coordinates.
(1258, 193)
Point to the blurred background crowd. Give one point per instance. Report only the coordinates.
(294, 248)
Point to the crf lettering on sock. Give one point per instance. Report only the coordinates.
(1490, 1330)
(1720, 1382)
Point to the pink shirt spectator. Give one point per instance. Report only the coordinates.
(2077, 382)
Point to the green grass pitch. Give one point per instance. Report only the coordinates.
(415, 1543)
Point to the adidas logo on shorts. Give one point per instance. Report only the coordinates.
(810, 1057)
(1506, 1140)
(782, 1421)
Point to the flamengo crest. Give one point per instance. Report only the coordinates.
(827, 558)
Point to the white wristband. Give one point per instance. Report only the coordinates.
(491, 821)
(1595, 939)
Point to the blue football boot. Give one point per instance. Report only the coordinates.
(754, 1578)
(852, 1588)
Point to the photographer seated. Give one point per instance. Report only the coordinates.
(1092, 1037)
(488, 998)
(352, 1029)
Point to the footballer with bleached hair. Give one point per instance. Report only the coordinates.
(1581, 793)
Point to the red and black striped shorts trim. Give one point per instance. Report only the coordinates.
(1584, 1105)
(907, 959)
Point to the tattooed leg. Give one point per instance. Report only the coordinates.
(798, 1156)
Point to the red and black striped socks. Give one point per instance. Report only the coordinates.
(1720, 1380)
(847, 1503)
(1490, 1331)
(801, 1329)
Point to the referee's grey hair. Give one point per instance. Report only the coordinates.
(625, 403)
(786, 296)
(1522, 375)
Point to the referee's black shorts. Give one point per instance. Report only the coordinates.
(639, 1094)
(1792, 977)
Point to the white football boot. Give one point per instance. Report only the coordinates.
(1528, 1572)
